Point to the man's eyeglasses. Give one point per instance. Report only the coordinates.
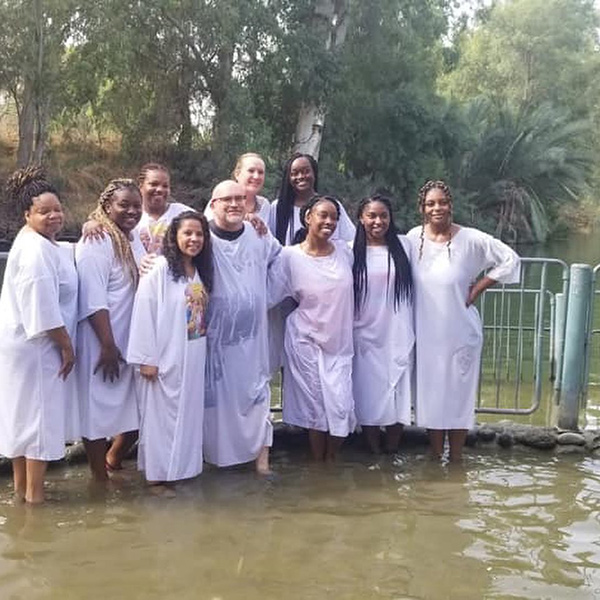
(231, 199)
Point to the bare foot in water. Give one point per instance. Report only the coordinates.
(262, 462)
(162, 489)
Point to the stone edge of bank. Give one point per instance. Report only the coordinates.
(503, 435)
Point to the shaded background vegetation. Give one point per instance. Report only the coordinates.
(501, 98)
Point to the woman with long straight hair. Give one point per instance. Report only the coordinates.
(299, 183)
(383, 324)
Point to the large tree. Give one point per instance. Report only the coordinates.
(32, 39)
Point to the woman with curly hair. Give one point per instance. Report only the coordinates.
(38, 306)
(167, 341)
(383, 325)
(449, 258)
(108, 278)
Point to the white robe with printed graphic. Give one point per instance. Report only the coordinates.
(237, 404)
(39, 293)
(384, 339)
(152, 231)
(449, 335)
(168, 332)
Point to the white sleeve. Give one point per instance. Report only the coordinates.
(278, 280)
(504, 263)
(37, 293)
(143, 347)
(347, 230)
(94, 261)
(273, 217)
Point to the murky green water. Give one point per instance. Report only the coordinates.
(506, 525)
(510, 525)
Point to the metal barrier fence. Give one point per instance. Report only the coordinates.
(524, 328)
(523, 338)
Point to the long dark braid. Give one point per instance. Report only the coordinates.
(303, 231)
(120, 241)
(24, 185)
(403, 283)
(284, 216)
(431, 185)
(171, 251)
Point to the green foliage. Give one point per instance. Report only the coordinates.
(522, 166)
(503, 105)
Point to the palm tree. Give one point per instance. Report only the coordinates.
(523, 164)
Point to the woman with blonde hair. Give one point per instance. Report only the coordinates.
(249, 172)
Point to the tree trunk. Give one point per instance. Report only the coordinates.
(309, 130)
(332, 15)
(35, 106)
(26, 125)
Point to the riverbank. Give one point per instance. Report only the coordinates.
(504, 435)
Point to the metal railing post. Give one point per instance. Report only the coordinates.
(572, 384)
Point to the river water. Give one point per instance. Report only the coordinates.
(505, 524)
(509, 525)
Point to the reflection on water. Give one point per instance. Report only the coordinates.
(403, 528)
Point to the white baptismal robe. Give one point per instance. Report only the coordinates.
(449, 334)
(317, 383)
(168, 331)
(106, 408)
(237, 404)
(384, 339)
(39, 293)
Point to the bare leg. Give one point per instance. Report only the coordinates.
(19, 477)
(457, 439)
(96, 454)
(121, 444)
(373, 437)
(334, 444)
(317, 441)
(392, 437)
(36, 469)
(436, 442)
(262, 462)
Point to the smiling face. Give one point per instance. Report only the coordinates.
(190, 237)
(437, 208)
(125, 209)
(228, 205)
(251, 175)
(302, 177)
(45, 215)
(375, 218)
(155, 190)
(321, 220)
